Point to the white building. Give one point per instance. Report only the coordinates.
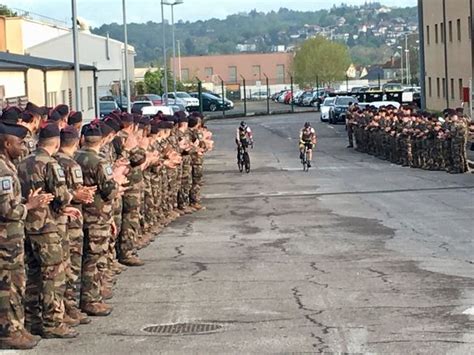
(101, 52)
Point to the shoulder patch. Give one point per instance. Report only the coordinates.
(59, 172)
(6, 185)
(108, 171)
(77, 177)
(31, 145)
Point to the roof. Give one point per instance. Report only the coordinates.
(39, 63)
(5, 66)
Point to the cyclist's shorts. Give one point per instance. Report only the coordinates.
(308, 145)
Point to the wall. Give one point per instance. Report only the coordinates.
(459, 52)
(14, 83)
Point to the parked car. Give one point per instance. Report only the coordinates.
(106, 107)
(276, 95)
(211, 103)
(392, 87)
(122, 102)
(379, 104)
(326, 108)
(137, 106)
(281, 97)
(184, 99)
(229, 102)
(296, 96)
(258, 95)
(155, 99)
(153, 110)
(341, 104)
(306, 98)
(288, 97)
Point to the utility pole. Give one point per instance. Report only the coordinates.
(77, 68)
(174, 48)
(127, 76)
(165, 64)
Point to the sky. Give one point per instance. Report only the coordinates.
(98, 12)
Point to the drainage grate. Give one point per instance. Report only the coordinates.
(183, 328)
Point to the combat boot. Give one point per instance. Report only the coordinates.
(96, 309)
(75, 313)
(198, 206)
(106, 293)
(69, 321)
(132, 261)
(62, 331)
(18, 340)
(28, 335)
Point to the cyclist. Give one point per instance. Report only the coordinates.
(307, 139)
(244, 136)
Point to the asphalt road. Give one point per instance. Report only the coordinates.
(356, 256)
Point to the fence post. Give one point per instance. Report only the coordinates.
(347, 83)
(292, 95)
(379, 80)
(223, 97)
(200, 95)
(268, 94)
(245, 95)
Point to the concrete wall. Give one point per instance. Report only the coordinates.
(92, 51)
(459, 52)
(14, 83)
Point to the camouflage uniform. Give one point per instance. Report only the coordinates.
(186, 173)
(197, 168)
(73, 233)
(46, 283)
(12, 267)
(98, 218)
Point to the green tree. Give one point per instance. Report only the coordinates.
(319, 59)
(153, 82)
(5, 11)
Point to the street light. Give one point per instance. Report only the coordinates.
(77, 72)
(172, 5)
(125, 35)
(401, 63)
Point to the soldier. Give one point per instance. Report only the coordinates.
(186, 167)
(197, 139)
(31, 119)
(71, 229)
(13, 212)
(44, 254)
(98, 221)
(75, 120)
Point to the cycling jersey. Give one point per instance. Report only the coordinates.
(307, 134)
(244, 134)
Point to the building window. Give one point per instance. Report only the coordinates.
(452, 89)
(209, 71)
(458, 23)
(436, 33)
(281, 73)
(52, 98)
(428, 35)
(444, 87)
(257, 72)
(461, 90)
(90, 98)
(430, 88)
(185, 74)
(233, 74)
(438, 88)
(441, 29)
(82, 99)
(450, 31)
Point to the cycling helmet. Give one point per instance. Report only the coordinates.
(307, 125)
(243, 125)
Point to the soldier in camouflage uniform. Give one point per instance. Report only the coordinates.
(98, 220)
(13, 212)
(72, 228)
(186, 171)
(197, 139)
(46, 283)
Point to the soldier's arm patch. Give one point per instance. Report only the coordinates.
(108, 171)
(77, 176)
(59, 173)
(6, 185)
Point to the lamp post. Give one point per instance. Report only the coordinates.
(172, 5)
(125, 35)
(165, 64)
(401, 64)
(77, 70)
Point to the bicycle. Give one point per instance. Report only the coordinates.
(243, 158)
(305, 156)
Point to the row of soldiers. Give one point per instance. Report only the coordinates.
(76, 204)
(410, 138)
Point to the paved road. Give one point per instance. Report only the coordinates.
(356, 256)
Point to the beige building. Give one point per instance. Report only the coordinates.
(447, 46)
(45, 82)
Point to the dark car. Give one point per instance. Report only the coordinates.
(210, 102)
(341, 105)
(106, 107)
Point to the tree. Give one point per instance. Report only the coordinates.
(319, 59)
(153, 82)
(5, 11)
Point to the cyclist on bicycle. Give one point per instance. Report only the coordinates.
(244, 136)
(308, 140)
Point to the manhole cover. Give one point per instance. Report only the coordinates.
(183, 328)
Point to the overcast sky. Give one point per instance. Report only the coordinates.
(98, 12)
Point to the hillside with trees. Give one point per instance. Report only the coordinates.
(369, 30)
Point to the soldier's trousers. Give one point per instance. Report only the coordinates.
(76, 244)
(350, 134)
(112, 252)
(195, 193)
(94, 263)
(46, 280)
(12, 284)
(128, 235)
(186, 183)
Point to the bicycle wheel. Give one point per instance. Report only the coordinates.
(247, 162)
(307, 160)
(304, 160)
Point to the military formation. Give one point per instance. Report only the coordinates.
(411, 138)
(77, 202)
